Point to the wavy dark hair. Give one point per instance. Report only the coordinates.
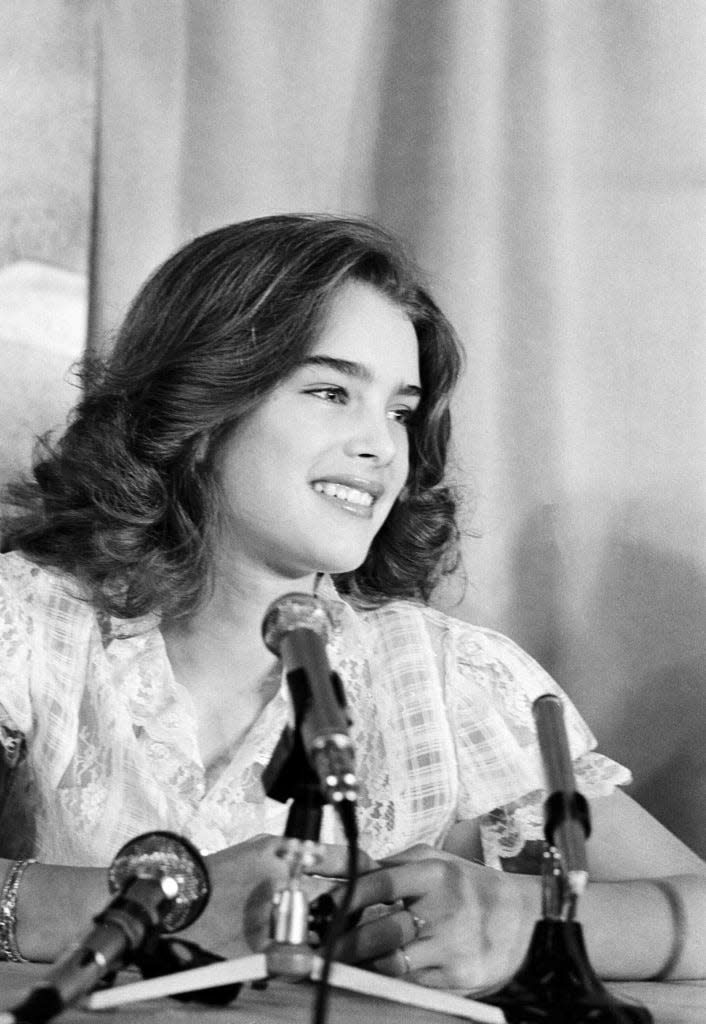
(126, 500)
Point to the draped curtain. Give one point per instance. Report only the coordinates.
(546, 162)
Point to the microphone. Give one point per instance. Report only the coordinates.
(567, 823)
(295, 629)
(555, 982)
(160, 883)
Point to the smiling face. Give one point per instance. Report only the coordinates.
(310, 476)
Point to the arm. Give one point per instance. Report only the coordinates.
(644, 880)
(477, 921)
(628, 845)
(56, 904)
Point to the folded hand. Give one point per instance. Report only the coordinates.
(450, 923)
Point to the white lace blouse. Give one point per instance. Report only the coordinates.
(99, 740)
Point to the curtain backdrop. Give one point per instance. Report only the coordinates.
(547, 163)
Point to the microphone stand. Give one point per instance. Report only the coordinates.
(289, 954)
(555, 984)
(290, 775)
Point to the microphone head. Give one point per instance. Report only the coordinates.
(157, 855)
(294, 611)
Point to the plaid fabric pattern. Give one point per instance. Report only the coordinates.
(442, 727)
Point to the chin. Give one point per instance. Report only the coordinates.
(342, 563)
(339, 568)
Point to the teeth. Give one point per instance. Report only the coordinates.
(349, 494)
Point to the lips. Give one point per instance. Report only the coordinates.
(353, 493)
(353, 483)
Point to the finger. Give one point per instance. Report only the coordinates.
(408, 882)
(431, 977)
(397, 964)
(410, 962)
(319, 885)
(421, 851)
(334, 862)
(377, 938)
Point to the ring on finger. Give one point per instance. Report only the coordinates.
(418, 923)
(407, 963)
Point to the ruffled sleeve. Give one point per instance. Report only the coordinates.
(491, 685)
(15, 672)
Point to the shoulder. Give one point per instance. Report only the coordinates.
(26, 584)
(468, 645)
(470, 659)
(41, 608)
(483, 652)
(479, 667)
(20, 587)
(431, 619)
(17, 572)
(32, 602)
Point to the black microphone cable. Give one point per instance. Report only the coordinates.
(346, 810)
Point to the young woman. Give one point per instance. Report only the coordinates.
(274, 416)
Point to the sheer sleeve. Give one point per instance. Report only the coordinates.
(15, 669)
(488, 673)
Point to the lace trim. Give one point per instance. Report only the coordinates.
(505, 831)
(115, 748)
(376, 808)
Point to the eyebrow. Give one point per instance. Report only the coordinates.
(358, 371)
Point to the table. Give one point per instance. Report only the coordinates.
(290, 1003)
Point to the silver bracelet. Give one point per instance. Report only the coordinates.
(8, 912)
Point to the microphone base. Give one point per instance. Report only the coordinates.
(557, 985)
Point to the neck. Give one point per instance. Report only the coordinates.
(239, 602)
(219, 651)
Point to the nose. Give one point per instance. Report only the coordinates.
(374, 438)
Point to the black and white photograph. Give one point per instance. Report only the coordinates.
(353, 511)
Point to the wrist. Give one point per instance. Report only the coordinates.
(55, 905)
(9, 949)
(521, 909)
(635, 931)
(529, 903)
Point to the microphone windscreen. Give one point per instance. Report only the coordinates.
(290, 612)
(157, 855)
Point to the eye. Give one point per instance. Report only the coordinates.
(403, 415)
(330, 393)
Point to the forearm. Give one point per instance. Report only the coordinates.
(55, 905)
(633, 928)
